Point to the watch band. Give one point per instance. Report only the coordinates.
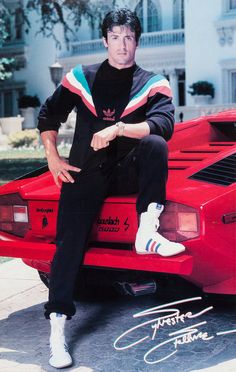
(121, 127)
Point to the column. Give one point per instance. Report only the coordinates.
(173, 78)
(145, 16)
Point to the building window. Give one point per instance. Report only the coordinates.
(232, 4)
(8, 29)
(178, 14)
(229, 6)
(9, 100)
(152, 17)
(149, 13)
(18, 24)
(14, 25)
(228, 84)
(139, 12)
(233, 86)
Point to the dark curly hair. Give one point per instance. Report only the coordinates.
(121, 17)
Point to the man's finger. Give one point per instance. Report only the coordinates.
(66, 177)
(62, 177)
(72, 168)
(93, 145)
(57, 182)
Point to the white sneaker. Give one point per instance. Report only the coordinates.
(148, 240)
(59, 356)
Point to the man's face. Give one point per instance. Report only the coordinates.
(121, 46)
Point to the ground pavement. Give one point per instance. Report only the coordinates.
(24, 332)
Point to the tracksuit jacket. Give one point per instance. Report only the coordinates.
(103, 95)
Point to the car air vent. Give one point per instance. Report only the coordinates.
(219, 144)
(200, 151)
(223, 172)
(177, 168)
(228, 128)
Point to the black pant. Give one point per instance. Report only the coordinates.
(143, 170)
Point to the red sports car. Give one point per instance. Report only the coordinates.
(200, 212)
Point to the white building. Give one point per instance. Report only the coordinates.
(186, 40)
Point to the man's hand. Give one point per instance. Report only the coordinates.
(57, 165)
(102, 138)
(60, 170)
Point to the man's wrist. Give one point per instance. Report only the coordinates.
(121, 128)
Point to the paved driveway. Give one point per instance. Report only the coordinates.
(97, 325)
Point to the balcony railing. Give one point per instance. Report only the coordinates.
(87, 47)
(192, 112)
(162, 38)
(148, 40)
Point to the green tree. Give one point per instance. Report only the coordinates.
(7, 65)
(68, 13)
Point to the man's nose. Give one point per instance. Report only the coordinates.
(123, 43)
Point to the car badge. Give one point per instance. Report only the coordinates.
(44, 222)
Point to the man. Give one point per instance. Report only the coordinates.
(108, 156)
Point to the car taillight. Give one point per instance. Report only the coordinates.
(20, 213)
(179, 222)
(6, 213)
(14, 215)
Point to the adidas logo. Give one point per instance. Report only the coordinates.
(109, 114)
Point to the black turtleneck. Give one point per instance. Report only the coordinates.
(111, 90)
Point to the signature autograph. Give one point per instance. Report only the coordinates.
(171, 316)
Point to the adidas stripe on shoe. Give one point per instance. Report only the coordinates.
(148, 240)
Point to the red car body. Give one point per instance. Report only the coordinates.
(200, 212)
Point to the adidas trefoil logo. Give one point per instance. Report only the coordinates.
(109, 114)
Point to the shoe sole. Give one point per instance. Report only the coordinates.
(61, 366)
(161, 255)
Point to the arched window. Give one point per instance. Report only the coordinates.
(139, 12)
(149, 13)
(153, 23)
(178, 14)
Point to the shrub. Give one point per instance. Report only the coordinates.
(24, 138)
(202, 88)
(28, 101)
